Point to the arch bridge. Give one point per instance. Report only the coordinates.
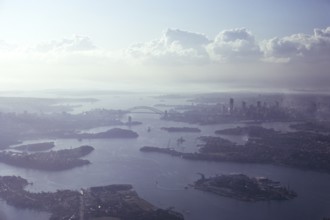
(148, 108)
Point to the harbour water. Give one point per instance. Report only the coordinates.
(161, 179)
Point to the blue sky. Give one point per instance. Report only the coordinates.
(110, 22)
(131, 42)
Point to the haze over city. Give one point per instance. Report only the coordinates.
(164, 110)
(165, 45)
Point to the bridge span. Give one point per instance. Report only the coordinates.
(148, 108)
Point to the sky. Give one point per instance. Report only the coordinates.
(165, 45)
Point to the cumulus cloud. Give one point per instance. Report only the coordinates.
(180, 47)
(174, 47)
(75, 50)
(230, 46)
(77, 43)
(184, 47)
(299, 47)
(178, 56)
(234, 45)
(4, 46)
(184, 38)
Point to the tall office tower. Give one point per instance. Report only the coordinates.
(231, 105)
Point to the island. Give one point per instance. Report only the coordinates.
(112, 133)
(35, 147)
(244, 188)
(51, 161)
(181, 129)
(118, 201)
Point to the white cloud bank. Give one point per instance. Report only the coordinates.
(76, 43)
(188, 48)
(233, 56)
(174, 47)
(233, 45)
(183, 47)
(299, 47)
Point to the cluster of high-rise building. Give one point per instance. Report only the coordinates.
(257, 110)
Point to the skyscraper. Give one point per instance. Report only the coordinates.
(231, 105)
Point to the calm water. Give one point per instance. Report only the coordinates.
(120, 161)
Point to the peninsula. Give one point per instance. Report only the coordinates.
(118, 201)
(249, 130)
(52, 160)
(18, 127)
(304, 150)
(35, 147)
(312, 126)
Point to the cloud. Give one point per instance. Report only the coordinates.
(4, 46)
(77, 43)
(181, 47)
(234, 45)
(299, 47)
(68, 51)
(174, 47)
(184, 38)
(234, 56)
